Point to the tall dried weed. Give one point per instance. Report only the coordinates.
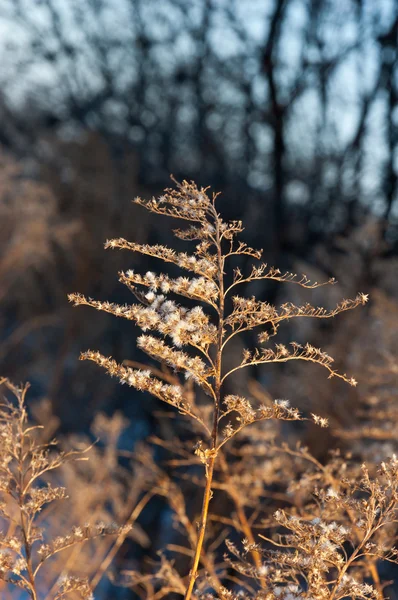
(335, 521)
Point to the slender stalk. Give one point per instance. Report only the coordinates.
(246, 529)
(25, 527)
(376, 578)
(28, 558)
(217, 398)
(348, 564)
(119, 540)
(202, 528)
(243, 521)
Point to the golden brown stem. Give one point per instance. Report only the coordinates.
(21, 501)
(240, 513)
(202, 528)
(217, 394)
(246, 529)
(29, 567)
(119, 540)
(376, 579)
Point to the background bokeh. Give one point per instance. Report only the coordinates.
(288, 107)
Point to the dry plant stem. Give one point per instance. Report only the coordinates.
(119, 540)
(246, 529)
(359, 552)
(21, 502)
(28, 557)
(243, 522)
(375, 576)
(211, 460)
(202, 528)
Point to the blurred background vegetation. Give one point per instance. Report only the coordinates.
(288, 107)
